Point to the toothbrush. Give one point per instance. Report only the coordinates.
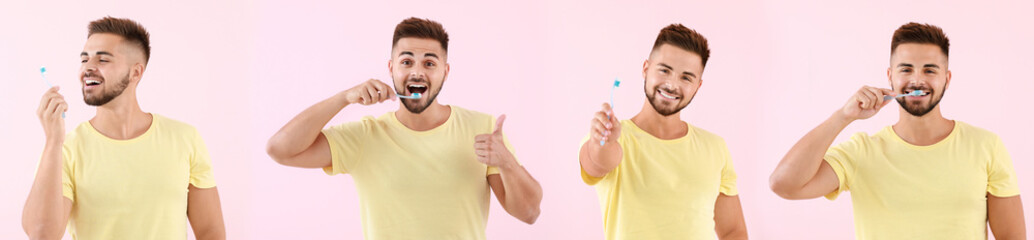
(617, 83)
(912, 93)
(414, 96)
(43, 73)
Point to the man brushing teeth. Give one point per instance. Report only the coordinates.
(423, 171)
(924, 177)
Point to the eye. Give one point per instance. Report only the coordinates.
(664, 71)
(906, 70)
(930, 71)
(407, 62)
(85, 60)
(686, 78)
(429, 64)
(104, 60)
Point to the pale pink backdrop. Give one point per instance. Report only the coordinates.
(239, 70)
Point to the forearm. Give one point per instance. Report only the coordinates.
(44, 215)
(599, 160)
(802, 162)
(523, 193)
(298, 134)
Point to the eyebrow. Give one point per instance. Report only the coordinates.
(98, 53)
(924, 65)
(425, 54)
(671, 68)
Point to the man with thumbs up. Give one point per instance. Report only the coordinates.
(424, 171)
(658, 177)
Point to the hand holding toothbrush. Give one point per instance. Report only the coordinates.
(865, 103)
(51, 107)
(369, 92)
(605, 127)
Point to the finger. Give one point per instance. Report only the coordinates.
(607, 110)
(864, 98)
(373, 94)
(499, 124)
(383, 91)
(482, 138)
(45, 99)
(878, 95)
(58, 104)
(603, 118)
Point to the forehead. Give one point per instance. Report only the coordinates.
(103, 42)
(918, 53)
(418, 46)
(677, 57)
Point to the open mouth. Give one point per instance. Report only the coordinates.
(416, 88)
(91, 83)
(666, 95)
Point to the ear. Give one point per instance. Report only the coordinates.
(446, 75)
(890, 80)
(136, 72)
(947, 81)
(390, 67)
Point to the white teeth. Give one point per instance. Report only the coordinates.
(665, 95)
(417, 86)
(89, 82)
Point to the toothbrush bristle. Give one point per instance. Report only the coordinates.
(617, 83)
(43, 69)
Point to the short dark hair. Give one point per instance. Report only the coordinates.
(421, 28)
(919, 33)
(684, 38)
(131, 31)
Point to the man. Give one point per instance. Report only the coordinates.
(925, 177)
(126, 173)
(423, 171)
(658, 177)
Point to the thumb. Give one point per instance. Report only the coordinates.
(499, 123)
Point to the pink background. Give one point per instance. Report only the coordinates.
(239, 70)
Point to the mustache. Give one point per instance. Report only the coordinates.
(92, 74)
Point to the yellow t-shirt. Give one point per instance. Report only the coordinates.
(664, 189)
(416, 184)
(136, 188)
(904, 191)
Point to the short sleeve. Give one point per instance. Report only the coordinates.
(588, 179)
(1001, 178)
(346, 144)
(728, 186)
(67, 173)
(201, 175)
(842, 159)
(506, 141)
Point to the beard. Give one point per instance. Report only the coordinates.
(107, 96)
(660, 106)
(418, 106)
(918, 109)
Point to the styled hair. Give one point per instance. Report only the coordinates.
(684, 38)
(421, 28)
(919, 33)
(131, 31)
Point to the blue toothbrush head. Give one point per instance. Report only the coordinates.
(617, 82)
(42, 70)
(414, 96)
(916, 93)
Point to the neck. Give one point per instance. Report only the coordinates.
(435, 115)
(925, 130)
(660, 126)
(121, 118)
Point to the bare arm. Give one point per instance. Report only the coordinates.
(205, 213)
(803, 174)
(1005, 216)
(518, 193)
(728, 218)
(516, 190)
(46, 210)
(598, 160)
(301, 143)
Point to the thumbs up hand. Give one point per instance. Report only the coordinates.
(491, 149)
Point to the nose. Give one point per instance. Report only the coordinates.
(417, 75)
